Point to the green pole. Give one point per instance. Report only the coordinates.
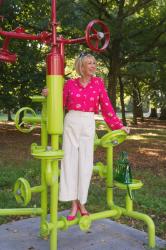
(21, 211)
(109, 179)
(54, 196)
(44, 142)
(129, 203)
(147, 220)
(55, 81)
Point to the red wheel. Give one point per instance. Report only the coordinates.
(97, 35)
(6, 56)
(1, 2)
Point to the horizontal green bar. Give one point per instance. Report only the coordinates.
(21, 211)
(93, 217)
(37, 189)
(38, 98)
(32, 119)
(102, 215)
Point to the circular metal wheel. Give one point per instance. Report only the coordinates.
(6, 56)
(20, 124)
(44, 230)
(65, 223)
(22, 191)
(85, 223)
(136, 184)
(113, 138)
(1, 2)
(97, 35)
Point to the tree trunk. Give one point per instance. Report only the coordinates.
(139, 105)
(115, 54)
(122, 101)
(134, 106)
(113, 74)
(9, 116)
(153, 113)
(163, 113)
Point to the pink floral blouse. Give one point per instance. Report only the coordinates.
(88, 99)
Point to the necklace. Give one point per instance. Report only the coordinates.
(84, 83)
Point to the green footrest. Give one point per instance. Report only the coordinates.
(49, 155)
(136, 184)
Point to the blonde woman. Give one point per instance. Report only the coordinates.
(82, 97)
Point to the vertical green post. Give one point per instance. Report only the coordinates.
(44, 142)
(55, 81)
(129, 203)
(54, 197)
(55, 104)
(109, 180)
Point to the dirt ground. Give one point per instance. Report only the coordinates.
(146, 147)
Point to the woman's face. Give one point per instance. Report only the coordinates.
(89, 66)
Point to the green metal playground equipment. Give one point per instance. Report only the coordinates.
(51, 122)
(49, 156)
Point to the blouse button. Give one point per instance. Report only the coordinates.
(78, 105)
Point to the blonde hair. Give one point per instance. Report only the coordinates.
(79, 62)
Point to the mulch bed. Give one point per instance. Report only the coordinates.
(147, 152)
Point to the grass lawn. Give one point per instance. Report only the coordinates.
(146, 147)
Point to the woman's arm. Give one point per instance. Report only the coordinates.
(108, 112)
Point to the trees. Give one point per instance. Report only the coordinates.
(26, 77)
(135, 58)
(137, 35)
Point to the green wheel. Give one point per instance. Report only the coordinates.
(85, 223)
(44, 230)
(113, 138)
(21, 125)
(65, 223)
(22, 191)
(136, 184)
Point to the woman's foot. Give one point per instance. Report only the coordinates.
(73, 212)
(82, 209)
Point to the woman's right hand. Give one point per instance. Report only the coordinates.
(126, 129)
(45, 92)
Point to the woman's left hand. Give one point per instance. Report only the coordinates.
(126, 129)
(45, 92)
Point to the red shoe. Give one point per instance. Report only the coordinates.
(72, 217)
(82, 213)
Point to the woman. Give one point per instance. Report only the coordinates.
(82, 97)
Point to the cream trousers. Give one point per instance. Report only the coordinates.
(77, 164)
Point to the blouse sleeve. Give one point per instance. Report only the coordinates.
(65, 93)
(107, 110)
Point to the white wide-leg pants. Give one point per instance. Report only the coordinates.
(77, 164)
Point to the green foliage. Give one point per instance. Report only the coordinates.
(136, 51)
